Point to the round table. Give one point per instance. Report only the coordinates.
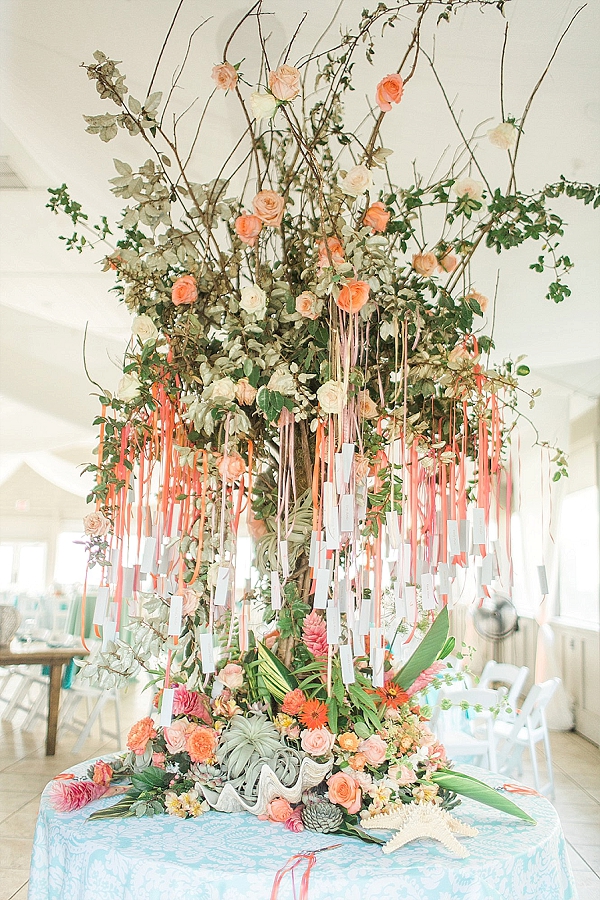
(223, 856)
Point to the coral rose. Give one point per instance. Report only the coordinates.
(244, 392)
(224, 76)
(269, 207)
(184, 291)
(285, 82)
(293, 702)
(190, 602)
(353, 296)
(344, 791)
(232, 676)
(279, 810)
(424, 264)
(139, 735)
(309, 305)
(201, 743)
(95, 524)
(479, 298)
(175, 735)
(356, 181)
(102, 773)
(247, 228)
(336, 251)
(375, 749)
(448, 262)
(232, 466)
(348, 741)
(389, 90)
(317, 741)
(377, 216)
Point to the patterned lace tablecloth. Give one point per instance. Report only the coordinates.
(235, 856)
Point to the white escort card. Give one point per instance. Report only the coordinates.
(427, 592)
(174, 626)
(166, 707)
(222, 587)
(101, 607)
(322, 588)
(275, 591)
(347, 664)
(207, 652)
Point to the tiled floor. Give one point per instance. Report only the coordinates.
(24, 772)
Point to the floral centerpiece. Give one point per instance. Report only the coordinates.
(308, 364)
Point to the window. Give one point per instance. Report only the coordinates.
(23, 566)
(579, 569)
(71, 561)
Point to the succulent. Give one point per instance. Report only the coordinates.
(324, 817)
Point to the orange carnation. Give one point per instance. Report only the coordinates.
(139, 735)
(377, 216)
(247, 228)
(293, 702)
(353, 296)
(314, 714)
(389, 90)
(201, 743)
(357, 762)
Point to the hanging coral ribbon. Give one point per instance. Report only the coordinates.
(292, 864)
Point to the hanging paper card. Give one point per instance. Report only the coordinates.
(410, 598)
(332, 528)
(464, 537)
(400, 602)
(113, 571)
(222, 588)
(479, 535)
(148, 555)
(378, 670)
(453, 538)
(275, 590)
(333, 623)
(358, 642)
(329, 497)
(341, 594)
(207, 654)
(339, 473)
(127, 582)
(435, 549)
(375, 641)
(487, 571)
(392, 522)
(364, 622)
(347, 664)
(164, 561)
(322, 588)
(284, 560)
(427, 592)
(350, 609)
(543, 579)
(347, 513)
(347, 458)
(101, 606)
(109, 631)
(444, 578)
(479, 592)
(313, 554)
(406, 562)
(174, 627)
(166, 707)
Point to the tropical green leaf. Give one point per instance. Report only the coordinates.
(426, 653)
(477, 790)
(352, 831)
(447, 648)
(120, 810)
(277, 678)
(332, 714)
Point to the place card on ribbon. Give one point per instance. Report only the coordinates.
(393, 527)
(275, 591)
(329, 497)
(479, 535)
(101, 607)
(427, 591)
(410, 598)
(163, 567)
(444, 578)
(207, 652)
(175, 609)
(313, 553)
(487, 569)
(543, 579)
(339, 473)
(375, 641)
(341, 594)
(347, 460)
(322, 588)
(347, 664)
(128, 582)
(358, 642)
(347, 513)
(113, 571)
(479, 592)
(435, 550)
(333, 623)
(332, 528)
(464, 536)
(453, 537)
(109, 632)
(148, 555)
(378, 669)
(166, 707)
(406, 562)
(364, 622)
(284, 559)
(222, 588)
(399, 600)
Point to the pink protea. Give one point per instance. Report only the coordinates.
(425, 678)
(314, 634)
(294, 823)
(67, 796)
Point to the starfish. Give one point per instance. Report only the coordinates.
(414, 821)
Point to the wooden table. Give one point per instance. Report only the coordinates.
(41, 655)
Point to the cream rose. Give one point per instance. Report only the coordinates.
(285, 82)
(309, 305)
(144, 328)
(245, 394)
(357, 181)
(367, 409)
(224, 388)
(129, 387)
(503, 135)
(263, 106)
(317, 741)
(332, 397)
(469, 187)
(253, 300)
(375, 749)
(95, 524)
(232, 676)
(282, 381)
(190, 602)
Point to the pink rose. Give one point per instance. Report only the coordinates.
(308, 305)
(425, 264)
(158, 760)
(269, 207)
(374, 749)
(190, 602)
(190, 703)
(344, 791)
(317, 741)
(247, 228)
(235, 466)
(175, 735)
(224, 76)
(389, 90)
(184, 291)
(284, 82)
(402, 774)
(336, 251)
(232, 676)
(96, 524)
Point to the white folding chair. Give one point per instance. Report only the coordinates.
(514, 677)
(467, 743)
(94, 701)
(528, 729)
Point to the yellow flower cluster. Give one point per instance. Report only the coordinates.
(184, 805)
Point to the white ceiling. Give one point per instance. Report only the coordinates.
(49, 295)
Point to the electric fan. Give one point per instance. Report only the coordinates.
(495, 620)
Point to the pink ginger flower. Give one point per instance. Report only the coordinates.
(425, 678)
(190, 703)
(294, 823)
(314, 634)
(67, 796)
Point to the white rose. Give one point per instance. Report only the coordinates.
(470, 187)
(224, 388)
(263, 106)
(129, 387)
(357, 181)
(254, 300)
(332, 397)
(144, 328)
(503, 136)
(282, 381)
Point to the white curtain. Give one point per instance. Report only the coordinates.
(57, 471)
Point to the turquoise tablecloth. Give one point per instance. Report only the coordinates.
(233, 857)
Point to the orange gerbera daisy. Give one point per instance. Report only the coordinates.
(314, 714)
(392, 695)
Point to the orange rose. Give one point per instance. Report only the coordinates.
(224, 76)
(269, 206)
(357, 762)
(479, 298)
(285, 82)
(201, 743)
(247, 228)
(389, 90)
(344, 791)
(235, 466)
(279, 810)
(377, 216)
(448, 262)
(353, 296)
(348, 741)
(424, 264)
(102, 773)
(336, 252)
(184, 291)
(139, 735)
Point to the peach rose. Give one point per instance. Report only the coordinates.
(190, 602)
(175, 735)
(317, 741)
(309, 305)
(184, 291)
(336, 252)
(244, 392)
(448, 262)
(503, 135)
(348, 741)
(344, 791)
(201, 743)
(375, 749)
(247, 228)
(479, 298)
(257, 528)
(231, 465)
(377, 216)
(95, 524)
(102, 773)
(279, 810)
(425, 264)
(367, 409)
(224, 76)
(285, 82)
(353, 296)
(158, 760)
(269, 207)
(139, 735)
(458, 353)
(389, 90)
(232, 676)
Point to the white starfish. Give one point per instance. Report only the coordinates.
(414, 821)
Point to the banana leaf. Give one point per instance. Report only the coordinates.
(353, 831)
(120, 810)
(426, 653)
(277, 678)
(477, 790)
